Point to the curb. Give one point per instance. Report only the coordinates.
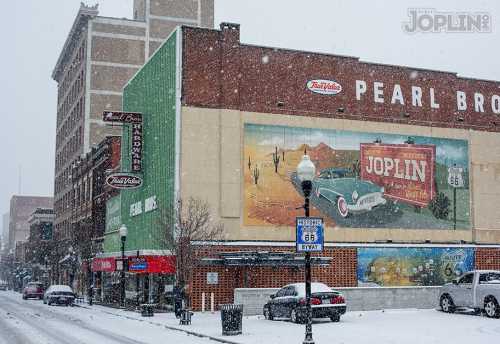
(192, 333)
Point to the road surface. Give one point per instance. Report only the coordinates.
(32, 322)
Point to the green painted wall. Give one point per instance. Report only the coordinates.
(152, 92)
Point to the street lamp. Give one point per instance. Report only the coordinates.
(123, 236)
(306, 172)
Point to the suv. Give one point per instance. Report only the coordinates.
(33, 290)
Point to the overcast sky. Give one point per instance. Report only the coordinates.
(33, 33)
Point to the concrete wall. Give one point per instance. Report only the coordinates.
(358, 299)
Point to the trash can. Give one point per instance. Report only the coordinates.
(232, 319)
(147, 309)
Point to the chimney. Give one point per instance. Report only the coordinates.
(230, 62)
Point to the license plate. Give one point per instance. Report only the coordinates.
(326, 301)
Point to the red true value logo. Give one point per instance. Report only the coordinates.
(327, 87)
(405, 171)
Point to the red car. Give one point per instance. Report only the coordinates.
(33, 290)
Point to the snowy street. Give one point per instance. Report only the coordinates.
(33, 322)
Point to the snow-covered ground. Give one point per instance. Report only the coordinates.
(98, 324)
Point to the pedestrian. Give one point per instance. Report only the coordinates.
(91, 294)
(178, 296)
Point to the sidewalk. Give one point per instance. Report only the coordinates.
(169, 321)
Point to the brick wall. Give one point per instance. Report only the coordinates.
(340, 273)
(487, 258)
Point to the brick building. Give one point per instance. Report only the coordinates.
(88, 217)
(404, 183)
(21, 207)
(99, 57)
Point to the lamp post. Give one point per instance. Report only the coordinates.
(123, 236)
(306, 172)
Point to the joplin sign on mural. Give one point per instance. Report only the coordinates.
(364, 180)
(394, 266)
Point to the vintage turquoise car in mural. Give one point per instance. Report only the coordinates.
(346, 192)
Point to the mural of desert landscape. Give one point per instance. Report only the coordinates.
(363, 180)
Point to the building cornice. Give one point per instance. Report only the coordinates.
(85, 13)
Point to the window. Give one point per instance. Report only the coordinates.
(281, 292)
(490, 277)
(325, 175)
(467, 279)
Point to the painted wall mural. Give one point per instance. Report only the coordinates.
(364, 180)
(394, 266)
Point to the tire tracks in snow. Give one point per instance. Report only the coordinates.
(65, 319)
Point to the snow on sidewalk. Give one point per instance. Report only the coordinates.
(409, 326)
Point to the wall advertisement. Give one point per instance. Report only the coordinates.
(394, 266)
(363, 180)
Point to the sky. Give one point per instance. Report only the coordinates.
(33, 33)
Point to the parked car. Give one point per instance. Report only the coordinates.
(478, 290)
(60, 295)
(3, 285)
(33, 290)
(347, 193)
(290, 302)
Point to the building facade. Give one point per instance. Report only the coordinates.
(21, 207)
(42, 252)
(5, 231)
(100, 55)
(404, 183)
(88, 218)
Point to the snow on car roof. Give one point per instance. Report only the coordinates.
(57, 287)
(316, 287)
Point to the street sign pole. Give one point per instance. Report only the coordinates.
(455, 180)
(309, 238)
(454, 208)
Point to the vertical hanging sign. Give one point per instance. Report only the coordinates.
(134, 119)
(136, 153)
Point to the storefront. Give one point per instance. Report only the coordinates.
(148, 279)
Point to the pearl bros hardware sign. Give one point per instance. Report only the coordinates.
(135, 120)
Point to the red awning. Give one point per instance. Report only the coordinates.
(104, 264)
(141, 264)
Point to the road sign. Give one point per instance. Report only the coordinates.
(309, 234)
(455, 177)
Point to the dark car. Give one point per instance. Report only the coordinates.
(33, 290)
(290, 302)
(59, 295)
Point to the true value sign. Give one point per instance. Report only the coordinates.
(310, 234)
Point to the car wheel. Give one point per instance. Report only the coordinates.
(267, 314)
(491, 308)
(447, 304)
(335, 318)
(24, 297)
(294, 317)
(342, 209)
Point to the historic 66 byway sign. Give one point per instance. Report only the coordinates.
(310, 236)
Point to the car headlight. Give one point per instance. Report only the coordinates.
(355, 196)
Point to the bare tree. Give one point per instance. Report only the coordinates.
(190, 221)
